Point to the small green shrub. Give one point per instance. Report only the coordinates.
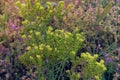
(91, 68)
(56, 47)
(42, 15)
(49, 48)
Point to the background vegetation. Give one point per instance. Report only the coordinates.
(59, 40)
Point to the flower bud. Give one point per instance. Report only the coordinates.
(48, 47)
(36, 47)
(38, 56)
(28, 48)
(24, 36)
(31, 57)
(37, 33)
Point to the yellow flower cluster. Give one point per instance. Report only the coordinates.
(92, 64)
(101, 65)
(28, 48)
(48, 47)
(73, 75)
(38, 56)
(37, 33)
(25, 22)
(61, 4)
(73, 52)
(89, 56)
(97, 78)
(39, 47)
(24, 36)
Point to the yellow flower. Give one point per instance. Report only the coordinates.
(37, 17)
(24, 36)
(62, 31)
(28, 48)
(37, 33)
(68, 33)
(61, 2)
(29, 36)
(38, 56)
(41, 45)
(38, 5)
(95, 56)
(51, 33)
(98, 64)
(83, 55)
(97, 78)
(78, 75)
(70, 6)
(36, 47)
(48, 3)
(102, 61)
(31, 57)
(18, 3)
(41, 8)
(73, 52)
(25, 22)
(81, 40)
(41, 48)
(30, 31)
(66, 36)
(88, 55)
(33, 44)
(68, 71)
(55, 49)
(104, 68)
(48, 47)
(50, 11)
(23, 5)
(50, 28)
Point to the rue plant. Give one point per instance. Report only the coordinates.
(52, 51)
(90, 67)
